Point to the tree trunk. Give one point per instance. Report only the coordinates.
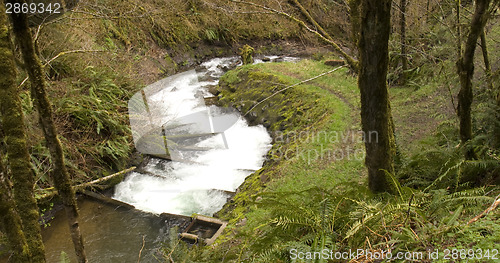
(60, 174)
(404, 56)
(355, 20)
(23, 177)
(11, 221)
(372, 81)
(486, 59)
(465, 68)
(458, 30)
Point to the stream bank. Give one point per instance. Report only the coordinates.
(160, 180)
(315, 133)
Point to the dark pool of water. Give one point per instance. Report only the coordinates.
(112, 234)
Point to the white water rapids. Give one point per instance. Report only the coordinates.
(193, 181)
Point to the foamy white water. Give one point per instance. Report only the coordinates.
(213, 164)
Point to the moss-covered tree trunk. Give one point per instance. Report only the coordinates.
(309, 18)
(11, 222)
(62, 181)
(376, 117)
(23, 177)
(354, 6)
(465, 69)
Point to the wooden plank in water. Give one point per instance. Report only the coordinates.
(190, 237)
(176, 216)
(106, 199)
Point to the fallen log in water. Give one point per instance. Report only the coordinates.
(51, 191)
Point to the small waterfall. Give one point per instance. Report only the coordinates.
(212, 149)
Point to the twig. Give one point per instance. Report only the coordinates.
(172, 251)
(291, 86)
(71, 52)
(485, 212)
(409, 209)
(377, 234)
(140, 251)
(37, 34)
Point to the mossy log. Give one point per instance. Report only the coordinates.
(116, 177)
(11, 222)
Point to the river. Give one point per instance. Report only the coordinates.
(216, 151)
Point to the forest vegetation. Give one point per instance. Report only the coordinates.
(425, 75)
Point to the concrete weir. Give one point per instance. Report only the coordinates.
(194, 229)
(197, 228)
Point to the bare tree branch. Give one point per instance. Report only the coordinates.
(487, 211)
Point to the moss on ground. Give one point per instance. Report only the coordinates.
(317, 159)
(312, 126)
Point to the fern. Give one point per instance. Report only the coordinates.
(64, 258)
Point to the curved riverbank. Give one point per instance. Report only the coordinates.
(306, 122)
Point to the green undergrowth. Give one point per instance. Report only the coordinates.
(305, 199)
(308, 125)
(92, 121)
(316, 142)
(97, 56)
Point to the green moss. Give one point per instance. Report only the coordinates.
(306, 108)
(294, 117)
(116, 33)
(170, 62)
(246, 53)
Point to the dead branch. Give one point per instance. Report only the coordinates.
(140, 251)
(70, 52)
(485, 212)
